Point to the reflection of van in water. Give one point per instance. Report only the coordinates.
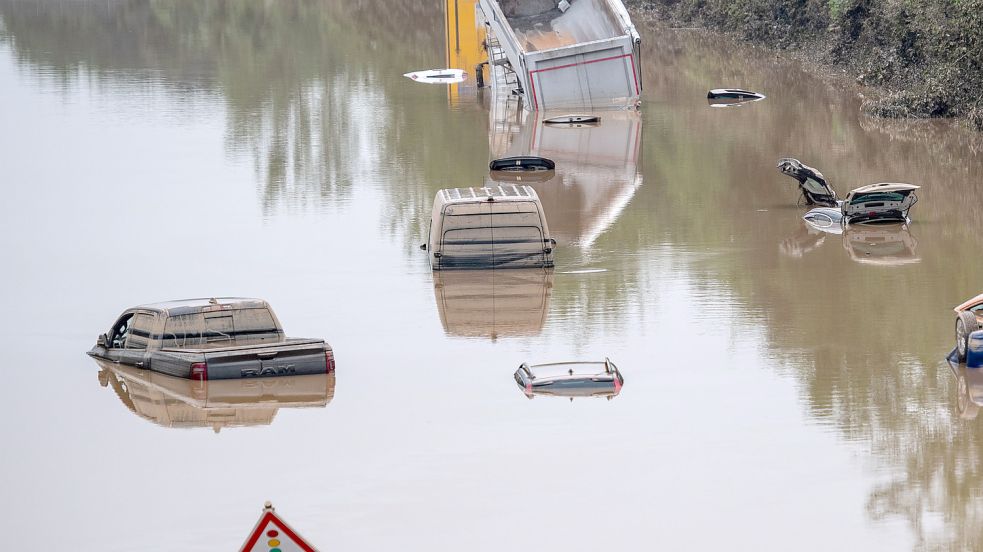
(492, 227)
(493, 303)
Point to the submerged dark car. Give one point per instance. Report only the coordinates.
(208, 339)
(570, 379)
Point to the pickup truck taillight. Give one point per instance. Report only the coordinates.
(199, 371)
(328, 361)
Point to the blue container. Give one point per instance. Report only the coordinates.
(974, 350)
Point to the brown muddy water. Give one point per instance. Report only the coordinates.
(782, 389)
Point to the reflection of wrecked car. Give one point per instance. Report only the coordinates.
(887, 244)
(493, 303)
(882, 202)
(969, 319)
(207, 339)
(878, 244)
(178, 402)
(570, 379)
(492, 227)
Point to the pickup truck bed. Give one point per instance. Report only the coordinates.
(288, 358)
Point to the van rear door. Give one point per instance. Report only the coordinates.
(517, 236)
(466, 240)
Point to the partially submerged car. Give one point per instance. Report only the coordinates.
(723, 97)
(491, 227)
(438, 76)
(217, 404)
(570, 379)
(969, 339)
(882, 202)
(522, 163)
(209, 339)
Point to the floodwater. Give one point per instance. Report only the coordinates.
(783, 389)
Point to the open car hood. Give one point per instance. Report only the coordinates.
(812, 183)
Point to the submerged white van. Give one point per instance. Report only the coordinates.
(493, 227)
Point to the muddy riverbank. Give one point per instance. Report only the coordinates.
(916, 60)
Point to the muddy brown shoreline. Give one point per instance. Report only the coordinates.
(912, 61)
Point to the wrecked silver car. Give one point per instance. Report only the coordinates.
(882, 202)
(570, 379)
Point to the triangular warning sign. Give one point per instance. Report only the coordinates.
(272, 534)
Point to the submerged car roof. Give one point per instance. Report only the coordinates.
(885, 187)
(488, 193)
(189, 306)
(566, 369)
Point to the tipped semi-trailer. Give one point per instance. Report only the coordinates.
(564, 55)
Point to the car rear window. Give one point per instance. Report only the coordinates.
(184, 330)
(882, 196)
(254, 326)
(242, 327)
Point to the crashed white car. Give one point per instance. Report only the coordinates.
(875, 203)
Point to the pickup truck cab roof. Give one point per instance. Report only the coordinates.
(191, 306)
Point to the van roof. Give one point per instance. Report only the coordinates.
(190, 306)
(489, 193)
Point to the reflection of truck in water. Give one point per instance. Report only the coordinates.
(596, 173)
(177, 402)
(564, 55)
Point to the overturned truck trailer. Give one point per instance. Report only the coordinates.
(565, 55)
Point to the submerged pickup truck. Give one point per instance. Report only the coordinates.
(211, 339)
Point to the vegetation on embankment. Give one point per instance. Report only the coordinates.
(925, 57)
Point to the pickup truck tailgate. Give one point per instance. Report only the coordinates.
(287, 358)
